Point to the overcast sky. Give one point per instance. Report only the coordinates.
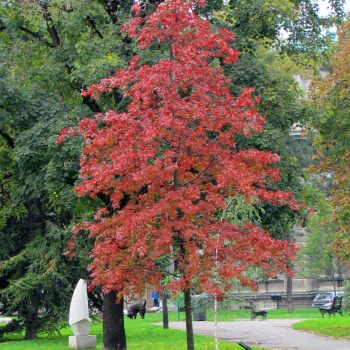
(323, 6)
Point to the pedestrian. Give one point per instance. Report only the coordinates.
(155, 298)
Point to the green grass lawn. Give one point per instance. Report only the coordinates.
(141, 335)
(337, 327)
(227, 315)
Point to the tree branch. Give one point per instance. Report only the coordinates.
(105, 199)
(2, 26)
(117, 96)
(9, 140)
(200, 173)
(78, 86)
(92, 23)
(36, 36)
(92, 104)
(49, 23)
(112, 8)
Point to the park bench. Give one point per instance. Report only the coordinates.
(244, 346)
(336, 307)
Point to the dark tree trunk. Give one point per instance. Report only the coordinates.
(31, 325)
(31, 316)
(165, 310)
(113, 323)
(189, 326)
(30, 331)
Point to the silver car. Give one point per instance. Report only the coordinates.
(324, 300)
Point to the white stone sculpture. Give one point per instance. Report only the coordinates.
(79, 319)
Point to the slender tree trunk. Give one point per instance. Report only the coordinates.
(290, 294)
(165, 310)
(216, 338)
(333, 279)
(189, 325)
(113, 323)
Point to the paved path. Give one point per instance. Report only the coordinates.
(271, 334)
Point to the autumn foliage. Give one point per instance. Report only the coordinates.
(169, 161)
(331, 96)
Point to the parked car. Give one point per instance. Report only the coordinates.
(324, 300)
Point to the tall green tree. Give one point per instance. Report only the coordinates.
(330, 96)
(293, 26)
(34, 273)
(59, 44)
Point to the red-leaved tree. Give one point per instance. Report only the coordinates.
(169, 161)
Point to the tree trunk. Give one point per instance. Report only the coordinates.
(289, 294)
(31, 317)
(31, 326)
(165, 310)
(189, 326)
(333, 279)
(113, 323)
(30, 331)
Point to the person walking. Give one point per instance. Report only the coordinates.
(155, 298)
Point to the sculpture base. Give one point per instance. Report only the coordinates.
(82, 341)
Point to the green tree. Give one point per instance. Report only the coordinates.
(61, 47)
(259, 21)
(58, 44)
(332, 142)
(34, 273)
(318, 256)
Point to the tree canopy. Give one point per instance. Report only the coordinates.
(332, 143)
(172, 154)
(168, 161)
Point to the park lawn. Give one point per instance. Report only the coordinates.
(337, 327)
(141, 335)
(228, 315)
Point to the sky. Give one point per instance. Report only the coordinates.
(324, 10)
